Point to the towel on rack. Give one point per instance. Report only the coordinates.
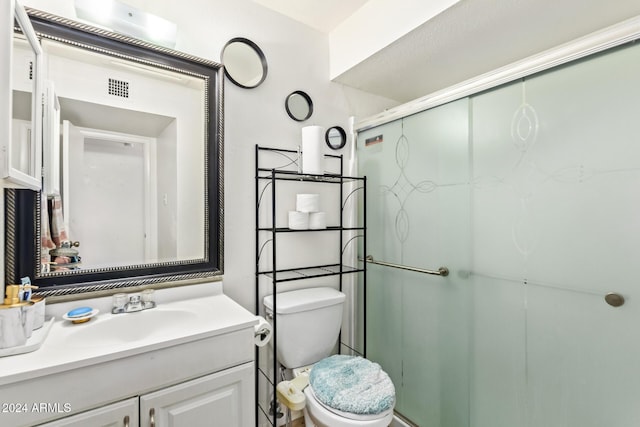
(58, 232)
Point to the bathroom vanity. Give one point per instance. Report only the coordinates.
(188, 362)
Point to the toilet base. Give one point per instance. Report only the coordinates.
(316, 415)
(310, 422)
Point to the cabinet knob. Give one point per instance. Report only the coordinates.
(126, 421)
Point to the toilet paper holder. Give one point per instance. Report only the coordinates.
(262, 333)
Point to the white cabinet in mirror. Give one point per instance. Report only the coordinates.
(21, 95)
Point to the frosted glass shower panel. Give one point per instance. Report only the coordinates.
(585, 201)
(555, 227)
(418, 215)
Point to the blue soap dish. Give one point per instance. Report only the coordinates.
(80, 314)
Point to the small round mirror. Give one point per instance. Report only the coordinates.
(335, 137)
(299, 106)
(244, 63)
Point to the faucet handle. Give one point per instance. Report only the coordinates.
(119, 302)
(147, 298)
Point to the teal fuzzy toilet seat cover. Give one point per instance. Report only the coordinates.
(352, 384)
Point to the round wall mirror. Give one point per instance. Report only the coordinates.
(244, 63)
(335, 137)
(299, 106)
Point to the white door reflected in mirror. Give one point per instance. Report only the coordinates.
(109, 199)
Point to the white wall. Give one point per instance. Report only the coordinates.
(298, 59)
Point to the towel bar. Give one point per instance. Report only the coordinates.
(442, 271)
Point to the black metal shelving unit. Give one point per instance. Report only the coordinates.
(274, 166)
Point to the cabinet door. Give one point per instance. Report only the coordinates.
(223, 399)
(22, 97)
(121, 414)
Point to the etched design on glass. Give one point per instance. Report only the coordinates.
(574, 174)
(403, 188)
(521, 178)
(524, 133)
(524, 124)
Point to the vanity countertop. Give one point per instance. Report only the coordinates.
(109, 336)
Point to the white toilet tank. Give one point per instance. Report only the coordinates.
(308, 324)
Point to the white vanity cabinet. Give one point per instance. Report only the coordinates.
(21, 100)
(147, 368)
(222, 399)
(202, 383)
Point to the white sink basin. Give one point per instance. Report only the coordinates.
(111, 329)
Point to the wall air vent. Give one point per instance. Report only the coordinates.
(119, 88)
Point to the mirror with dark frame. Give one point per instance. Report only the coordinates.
(133, 171)
(299, 105)
(335, 137)
(244, 63)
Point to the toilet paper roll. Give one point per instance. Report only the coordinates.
(312, 157)
(317, 220)
(263, 332)
(308, 202)
(298, 220)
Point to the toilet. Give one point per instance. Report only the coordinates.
(308, 326)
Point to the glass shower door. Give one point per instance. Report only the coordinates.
(418, 200)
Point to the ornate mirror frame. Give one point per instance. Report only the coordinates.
(23, 215)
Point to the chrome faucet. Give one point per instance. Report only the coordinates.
(123, 303)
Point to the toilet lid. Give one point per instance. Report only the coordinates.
(352, 384)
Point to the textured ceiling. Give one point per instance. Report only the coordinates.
(476, 36)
